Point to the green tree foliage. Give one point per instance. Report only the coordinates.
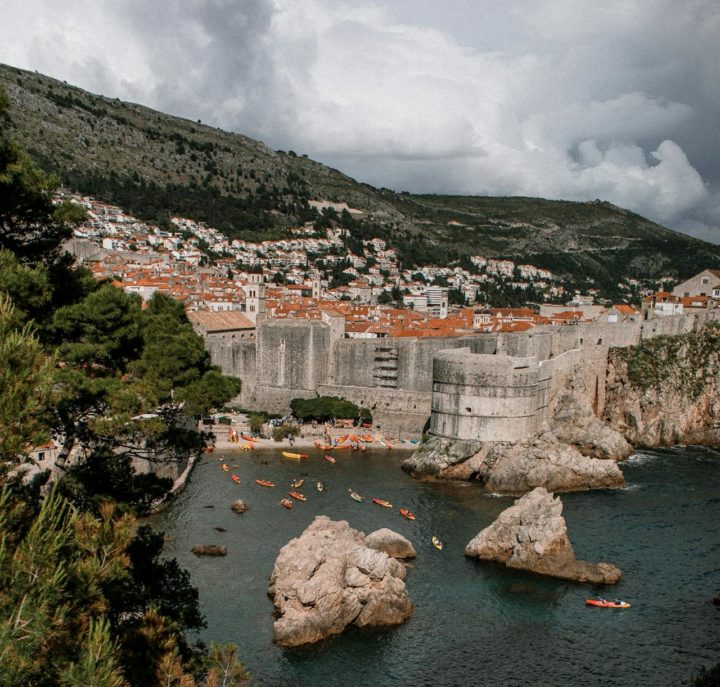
(256, 423)
(456, 297)
(26, 383)
(325, 408)
(52, 575)
(129, 377)
(84, 600)
(85, 597)
(27, 286)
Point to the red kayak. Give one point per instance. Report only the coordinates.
(286, 503)
(235, 478)
(329, 459)
(383, 503)
(264, 483)
(604, 603)
(407, 514)
(298, 496)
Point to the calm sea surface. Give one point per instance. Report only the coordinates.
(474, 623)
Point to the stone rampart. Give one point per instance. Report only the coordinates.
(394, 377)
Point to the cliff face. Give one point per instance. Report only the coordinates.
(667, 390)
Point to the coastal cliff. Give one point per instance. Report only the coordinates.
(666, 391)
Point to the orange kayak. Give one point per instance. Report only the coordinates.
(235, 478)
(383, 503)
(264, 483)
(247, 438)
(604, 603)
(407, 514)
(297, 496)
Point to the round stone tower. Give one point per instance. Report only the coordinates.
(484, 397)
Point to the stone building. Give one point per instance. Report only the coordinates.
(706, 283)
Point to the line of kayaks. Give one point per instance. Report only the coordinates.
(320, 486)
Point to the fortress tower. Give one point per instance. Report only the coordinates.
(484, 397)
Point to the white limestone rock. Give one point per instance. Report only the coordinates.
(549, 463)
(438, 454)
(575, 423)
(532, 535)
(328, 579)
(515, 468)
(391, 543)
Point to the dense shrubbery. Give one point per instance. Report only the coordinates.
(325, 408)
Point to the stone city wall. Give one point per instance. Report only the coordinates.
(299, 358)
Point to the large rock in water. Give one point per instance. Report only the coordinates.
(531, 535)
(543, 461)
(209, 550)
(328, 579)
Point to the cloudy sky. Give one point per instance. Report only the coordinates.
(576, 99)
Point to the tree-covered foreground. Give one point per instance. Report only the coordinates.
(85, 596)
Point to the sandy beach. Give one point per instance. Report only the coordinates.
(309, 434)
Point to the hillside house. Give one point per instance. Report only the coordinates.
(706, 283)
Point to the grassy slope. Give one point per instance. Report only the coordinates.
(155, 164)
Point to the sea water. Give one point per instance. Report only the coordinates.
(474, 623)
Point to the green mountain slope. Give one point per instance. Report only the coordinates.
(155, 165)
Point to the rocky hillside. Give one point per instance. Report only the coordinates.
(154, 165)
(667, 390)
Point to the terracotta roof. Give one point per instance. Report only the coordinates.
(220, 321)
(625, 309)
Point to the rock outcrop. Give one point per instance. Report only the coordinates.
(531, 535)
(515, 467)
(329, 578)
(575, 423)
(209, 550)
(667, 390)
(391, 543)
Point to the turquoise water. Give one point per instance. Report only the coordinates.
(474, 623)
